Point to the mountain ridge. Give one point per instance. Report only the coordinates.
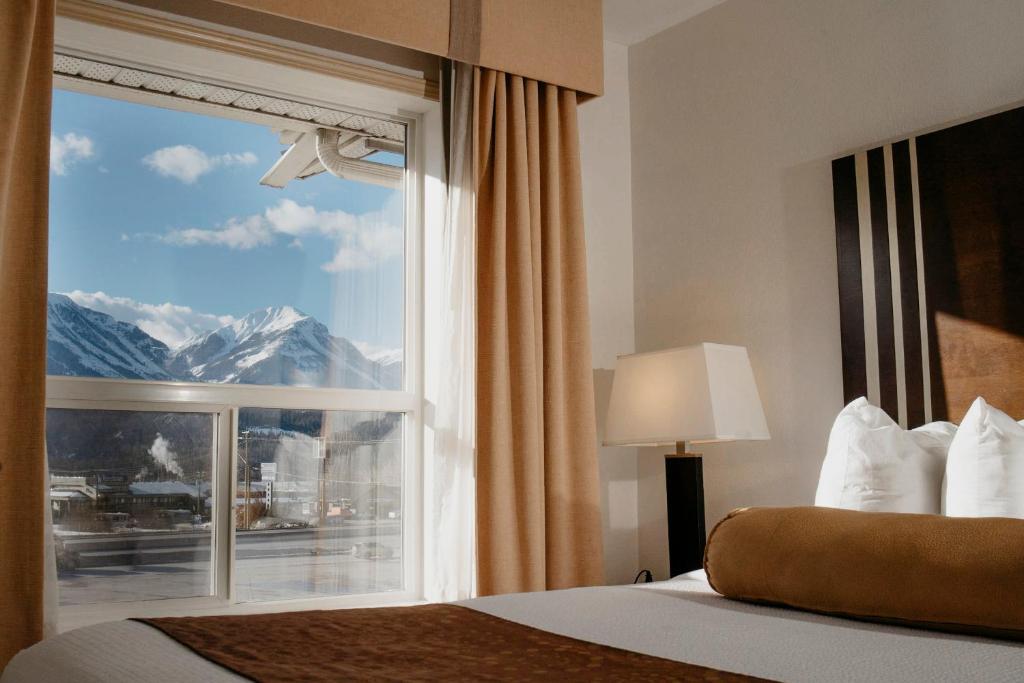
(277, 345)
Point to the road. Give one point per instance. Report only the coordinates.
(273, 565)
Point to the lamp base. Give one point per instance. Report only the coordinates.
(684, 489)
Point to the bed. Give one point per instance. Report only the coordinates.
(682, 620)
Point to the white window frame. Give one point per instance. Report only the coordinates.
(112, 44)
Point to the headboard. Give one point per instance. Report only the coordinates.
(930, 239)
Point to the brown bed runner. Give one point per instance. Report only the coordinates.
(425, 642)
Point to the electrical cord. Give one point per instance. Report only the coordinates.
(646, 573)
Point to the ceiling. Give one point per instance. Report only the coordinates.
(633, 21)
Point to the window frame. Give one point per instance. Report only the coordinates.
(224, 400)
(222, 538)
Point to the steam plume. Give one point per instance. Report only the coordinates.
(165, 457)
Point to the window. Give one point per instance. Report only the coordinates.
(176, 256)
(131, 497)
(232, 344)
(319, 503)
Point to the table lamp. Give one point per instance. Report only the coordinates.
(698, 394)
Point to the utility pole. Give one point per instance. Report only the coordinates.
(322, 456)
(248, 477)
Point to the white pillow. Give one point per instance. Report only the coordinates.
(874, 464)
(985, 469)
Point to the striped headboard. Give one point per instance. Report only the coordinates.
(930, 239)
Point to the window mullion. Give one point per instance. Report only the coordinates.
(224, 503)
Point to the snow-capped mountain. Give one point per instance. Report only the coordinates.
(381, 356)
(275, 346)
(280, 345)
(81, 341)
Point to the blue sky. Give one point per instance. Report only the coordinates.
(158, 218)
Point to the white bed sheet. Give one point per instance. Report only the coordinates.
(681, 619)
(685, 620)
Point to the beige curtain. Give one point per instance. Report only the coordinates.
(559, 42)
(538, 510)
(26, 56)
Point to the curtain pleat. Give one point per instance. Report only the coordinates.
(26, 60)
(538, 514)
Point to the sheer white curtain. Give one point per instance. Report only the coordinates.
(450, 485)
(50, 587)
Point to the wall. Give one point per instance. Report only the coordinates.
(604, 142)
(735, 116)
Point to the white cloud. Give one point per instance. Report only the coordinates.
(170, 323)
(187, 163)
(291, 218)
(366, 248)
(67, 150)
(184, 162)
(237, 233)
(363, 241)
(243, 159)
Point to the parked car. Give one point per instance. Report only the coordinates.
(117, 522)
(266, 523)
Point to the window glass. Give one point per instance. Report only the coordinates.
(132, 503)
(318, 507)
(175, 257)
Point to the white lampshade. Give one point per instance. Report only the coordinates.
(696, 393)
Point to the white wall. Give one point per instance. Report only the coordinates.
(736, 115)
(604, 143)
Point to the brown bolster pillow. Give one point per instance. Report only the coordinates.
(945, 573)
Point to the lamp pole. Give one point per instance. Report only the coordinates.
(684, 493)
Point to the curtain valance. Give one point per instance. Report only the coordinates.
(560, 43)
